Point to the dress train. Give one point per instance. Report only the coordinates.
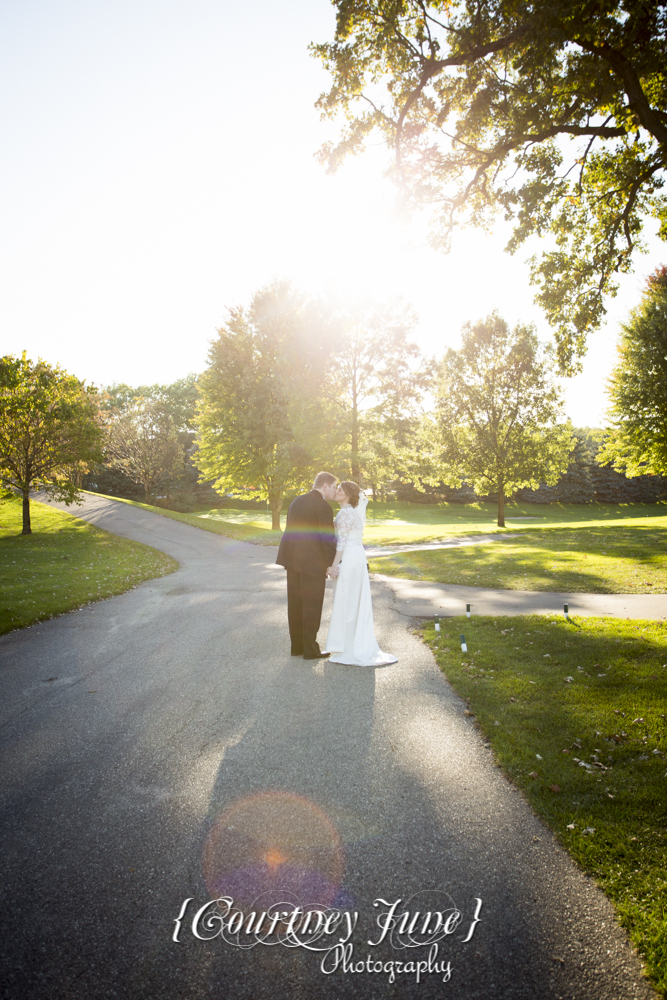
(351, 636)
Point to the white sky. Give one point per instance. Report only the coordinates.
(158, 165)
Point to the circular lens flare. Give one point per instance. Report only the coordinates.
(276, 843)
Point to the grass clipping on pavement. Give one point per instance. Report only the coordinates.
(614, 559)
(64, 564)
(576, 714)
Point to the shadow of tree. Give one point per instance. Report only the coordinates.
(605, 560)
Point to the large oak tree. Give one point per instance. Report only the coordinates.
(553, 111)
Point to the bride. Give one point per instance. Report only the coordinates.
(351, 636)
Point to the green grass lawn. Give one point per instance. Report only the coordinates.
(614, 559)
(64, 564)
(396, 523)
(576, 715)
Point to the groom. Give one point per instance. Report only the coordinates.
(307, 550)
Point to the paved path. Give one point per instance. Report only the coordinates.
(423, 598)
(420, 598)
(163, 745)
(444, 543)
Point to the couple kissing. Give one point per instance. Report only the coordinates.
(314, 546)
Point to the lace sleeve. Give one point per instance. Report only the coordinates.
(345, 521)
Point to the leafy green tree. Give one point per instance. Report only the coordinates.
(497, 412)
(380, 379)
(178, 399)
(49, 422)
(554, 112)
(265, 416)
(637, 442)
(386, 452)
(172, 409)
(143, 443)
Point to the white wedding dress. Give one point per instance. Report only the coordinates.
(351, 636)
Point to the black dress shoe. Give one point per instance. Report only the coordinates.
(316, 656)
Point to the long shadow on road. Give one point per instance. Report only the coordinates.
(181, 752)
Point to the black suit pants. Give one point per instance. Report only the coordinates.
(305, 596)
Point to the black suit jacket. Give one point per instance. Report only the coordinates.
(309, 542)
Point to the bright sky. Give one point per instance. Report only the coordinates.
(158, 166)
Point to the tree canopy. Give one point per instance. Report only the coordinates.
(178, 399)
(553, 112)
(143, 422)
(379, 378)
(143, 443)
(49, 423)
(497, 412)
(266, 411)
(637, 443)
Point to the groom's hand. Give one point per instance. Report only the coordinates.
(333, 573)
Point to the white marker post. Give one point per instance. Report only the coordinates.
(437, 623)
(468, 610)
(566, 612)
(464, 647)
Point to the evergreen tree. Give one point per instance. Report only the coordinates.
(638, 387)
(576, 486)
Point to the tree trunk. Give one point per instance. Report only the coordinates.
(27, 530)
(501, 506)
(276, 501)
(356, 475)
(146, 493)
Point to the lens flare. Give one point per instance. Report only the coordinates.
(276, 843)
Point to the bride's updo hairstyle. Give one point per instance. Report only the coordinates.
(352, 491)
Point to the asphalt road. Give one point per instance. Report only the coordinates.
(163, 746)
(420, 598)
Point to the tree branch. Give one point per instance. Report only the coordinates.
(482, 50)
(637, 99)
(433, 66)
